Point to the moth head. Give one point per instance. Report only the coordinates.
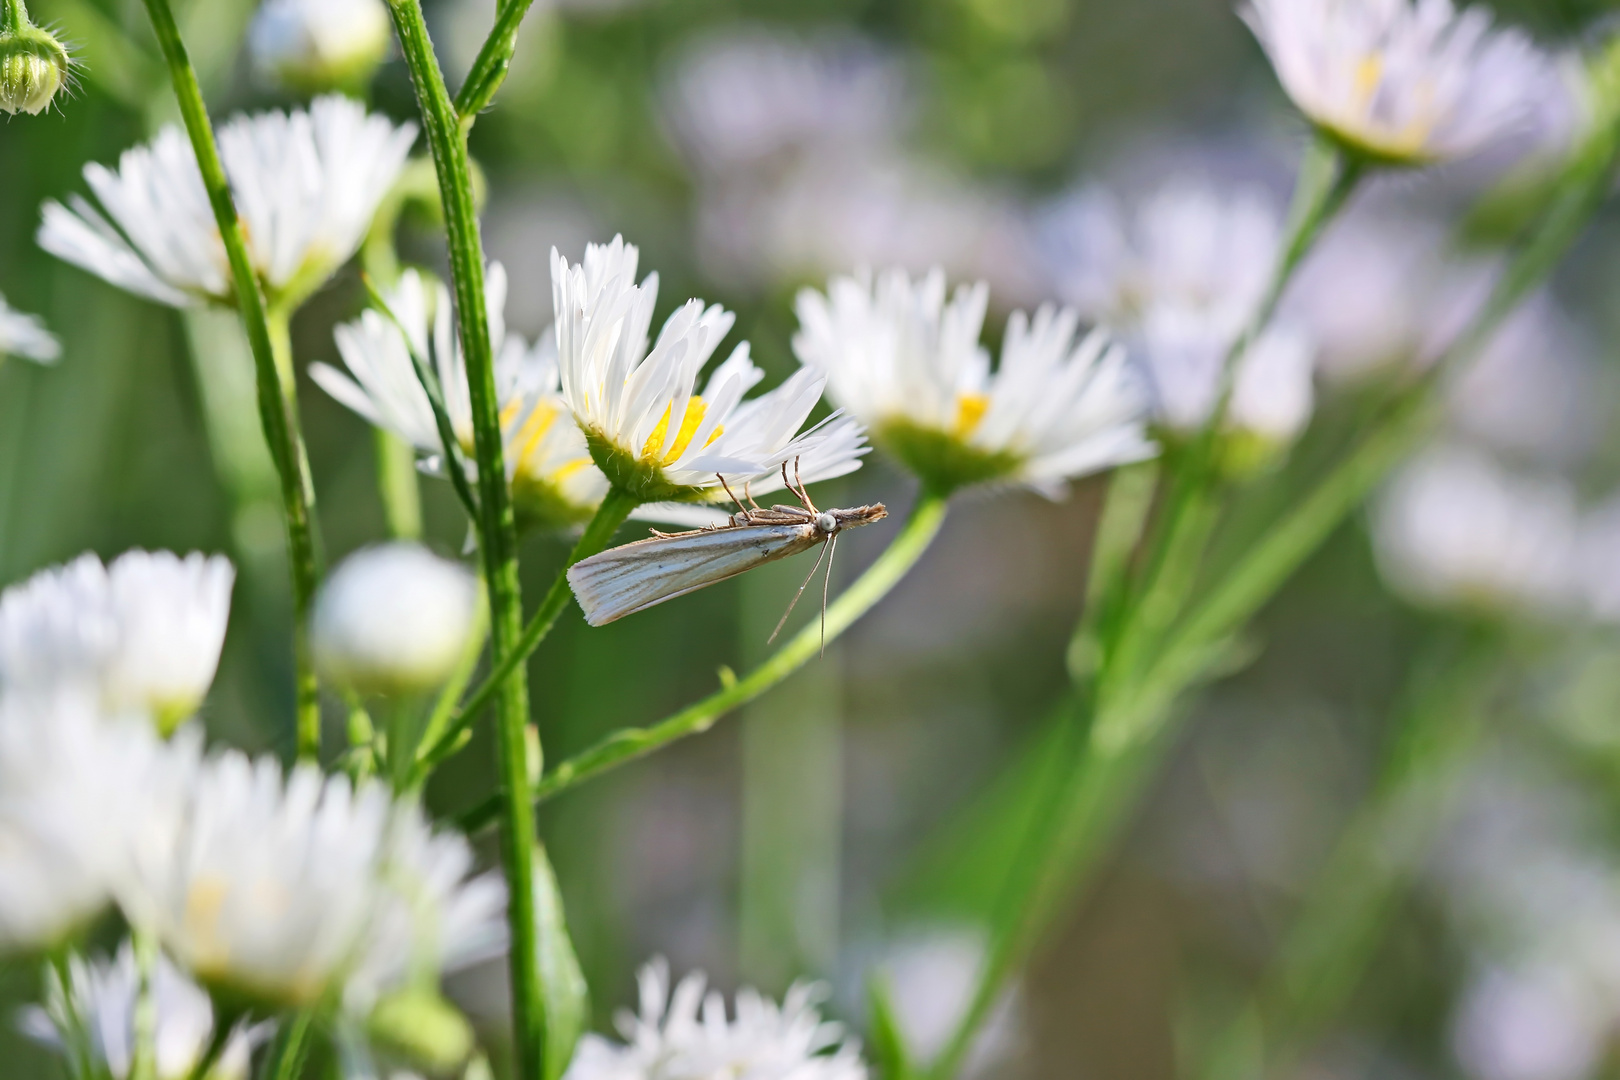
(854, 517)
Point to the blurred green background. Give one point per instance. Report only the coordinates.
(752, 148)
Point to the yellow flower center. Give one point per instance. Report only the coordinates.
(970, 410)
(653, 450)
(1369, 73)
(204, 900)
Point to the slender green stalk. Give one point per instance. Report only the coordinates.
(1327, 180)
(613, 512)
(217, 1041)
(143, 1058)
(291, 1047)
(497, 525)
(1009, 923)
(494, 60)
(396, 485)
(625, 746)
(309, 694)
(1336, 934)
(279, 428)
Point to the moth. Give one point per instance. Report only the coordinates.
(640, 575)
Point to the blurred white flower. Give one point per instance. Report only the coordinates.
(649, 430)
(932, 975)
(1530, 1025)
(688, 1036)
(314, 45)
(1454, 529)
(393, 619)
(262, 887)
(554, 482)
(1598, 570)
(145, 633)
(1535, 390)
(306, 186)
(1528, 878)
(1406, 81)
(908, 363)
(77, 789)
(1382, 290)
(1180, 277)
(866, 206)
(92, 1019)
(435, 916)
(285, 890)
(741, 98)
(26, 336)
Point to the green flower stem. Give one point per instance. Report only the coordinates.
(143, 1059)
(1128, 730)
(291, 1047)
(1335, 936)
(279, 428)
(1327, 180)
(497, 526)
(494, 60)
(624, 746)
(217, 1042)
(305, 575)
(613, 512)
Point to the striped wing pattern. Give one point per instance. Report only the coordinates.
(632, 578)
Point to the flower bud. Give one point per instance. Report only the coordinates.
(423, 1028)
(393, 620)
(33, 66)
(313, 46)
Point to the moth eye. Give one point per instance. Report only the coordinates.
(827, 523)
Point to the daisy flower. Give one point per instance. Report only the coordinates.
(306, 186)
(908, 363)
(91, 1019)
(1454, 529)
(1180, 276)
(25, 336)
(319, 44)
(284, 890)
(145, 633)
(688, 1036)
(1401, 81)
(77, 789)
(648, 429)
(554, 483)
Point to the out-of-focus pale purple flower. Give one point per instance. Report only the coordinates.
(1529, 1025)
(1455, 529)
(931, 973)
(1180, 276)
(738, 100)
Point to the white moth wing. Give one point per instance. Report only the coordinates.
(624, 580)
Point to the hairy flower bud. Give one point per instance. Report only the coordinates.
(33, 64)
(393, 619)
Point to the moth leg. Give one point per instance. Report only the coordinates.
(783, 620)
(741, 509)
(826, 587)
(804, 496)
(748, 496)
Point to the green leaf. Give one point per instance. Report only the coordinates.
(565, 997)
(888, 1041)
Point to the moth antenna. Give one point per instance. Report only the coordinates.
(740, 507)
(783, 620)
(826, 588)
